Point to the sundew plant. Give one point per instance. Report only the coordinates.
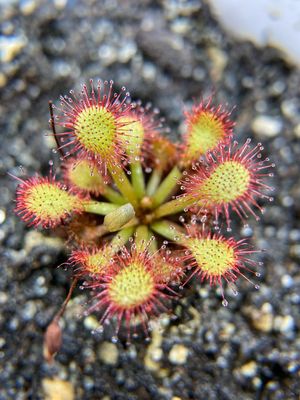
(144, 216)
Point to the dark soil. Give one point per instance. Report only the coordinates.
(166, 52)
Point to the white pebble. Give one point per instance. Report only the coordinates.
(266, 126)
(178, 354)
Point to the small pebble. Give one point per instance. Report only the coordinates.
(290, 109)
(29, 310)
(154, 352)
(35, 238)
(3, 297)
(228, 331)
(257, 382)
(181, 26)
(266, 126)
(57, 389)
(262, 319)
(295, 235)
(287, 281)
(284, 324)
(277, 88)
(108, 353)
(3, 80)
(272, 386)
(60, 4)
(127, 51)
(2, 342)
(10, 47)
(27, 7)
(248, 370)
(297, 131)
(219, 61)
(107, 55)
(91, 322)
(178, 354)
(149, 71)
(295, 251)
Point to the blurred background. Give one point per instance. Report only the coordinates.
(168, 52)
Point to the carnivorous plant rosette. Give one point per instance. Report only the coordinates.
(145, 213)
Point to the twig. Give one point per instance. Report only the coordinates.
(52, 124)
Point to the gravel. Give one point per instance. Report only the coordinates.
(166, 52)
